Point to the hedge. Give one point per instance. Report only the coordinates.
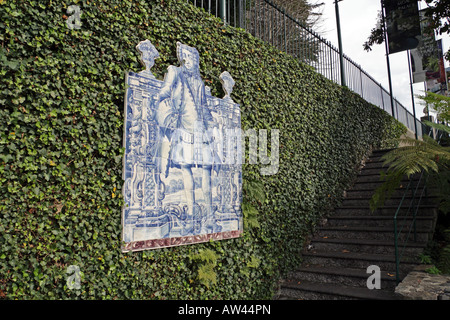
(62, 95)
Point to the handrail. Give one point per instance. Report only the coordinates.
(412, 226)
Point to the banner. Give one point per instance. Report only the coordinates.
(427, 60)
(403, 25)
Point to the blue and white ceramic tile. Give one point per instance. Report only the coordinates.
(182, 162)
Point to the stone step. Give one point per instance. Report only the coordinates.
(354, 238)
(376, 177)
(412, 249)
(424, 210)
(343, 276)
(371, 233)
(386, 262)
(376, 163)
(308, 290)
(372, 182)
(380, 152)
(378, 221)
(397, 193)
(395, 200)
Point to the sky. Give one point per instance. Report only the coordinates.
(357, 18)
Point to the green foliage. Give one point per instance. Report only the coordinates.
(444, 259)
(425, 259)
(62, 95)
(253, 193)
(438, 249)
(433, 270)
(208, 260)
(439, 104)
(416, 156)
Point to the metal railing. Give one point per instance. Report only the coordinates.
(414, 205)
(413, 208)
(272, 24)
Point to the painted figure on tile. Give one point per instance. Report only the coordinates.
(186, 125)
(181, 169)
(227, 84)
(148, 56)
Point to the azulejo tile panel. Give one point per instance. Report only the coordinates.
(182, 164)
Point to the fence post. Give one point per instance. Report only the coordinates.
(387, 59)
(341, 53)
(285, 38)
(223, 10)
(412, 94)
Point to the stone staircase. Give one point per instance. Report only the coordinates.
(353, 238)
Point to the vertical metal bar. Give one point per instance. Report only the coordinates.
(331, 62)
(336, 66)
(244, 14)
(258, 17)
(322, 60)
(234, 10)
(223, 7)
(264, 23)
(412, 94)
(303, 45)
(387, 59)
(253, 11)
(338, 22)
(397, 258)
(277, 24)
(360, 76)
(228, 16)
(272, 27)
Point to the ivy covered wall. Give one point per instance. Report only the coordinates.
(61, 119)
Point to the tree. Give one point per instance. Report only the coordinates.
(376, 34)
(438, 13)
(288, 26)
(302, 10)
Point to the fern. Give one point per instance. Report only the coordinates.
(254, 192)
(440, 186)
(444, 260)
(206, 255)
(254, 262)
(250, 215)
(205, 273)
(414, 157)
(392, 181)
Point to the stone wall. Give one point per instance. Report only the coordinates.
(421, 285)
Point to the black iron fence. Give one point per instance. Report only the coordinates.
(272, 24)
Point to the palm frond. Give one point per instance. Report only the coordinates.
(438, 126)
(412, 158)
